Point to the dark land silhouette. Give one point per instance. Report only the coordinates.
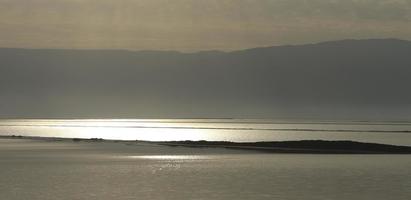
(302, 146)
(348, 79)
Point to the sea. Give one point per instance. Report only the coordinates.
(235, 130)
(49, 169)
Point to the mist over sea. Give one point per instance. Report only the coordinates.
(205, 100)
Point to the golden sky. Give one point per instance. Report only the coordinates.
(193, 25)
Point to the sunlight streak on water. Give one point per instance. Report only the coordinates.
(212, 130)
(150, 134)
(171, 157)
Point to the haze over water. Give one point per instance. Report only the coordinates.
(226, 65)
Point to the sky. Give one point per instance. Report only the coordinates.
(195, 25)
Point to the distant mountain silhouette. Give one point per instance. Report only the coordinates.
(355, 79)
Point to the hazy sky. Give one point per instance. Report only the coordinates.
(191, 25)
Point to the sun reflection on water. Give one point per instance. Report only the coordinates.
(147, 134)
(211, 130)
(171, 157)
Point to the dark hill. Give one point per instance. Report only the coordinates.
(361, 79)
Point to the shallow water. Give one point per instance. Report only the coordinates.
(213, 129)
(84, 170)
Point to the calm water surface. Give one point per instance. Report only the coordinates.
(68, 170)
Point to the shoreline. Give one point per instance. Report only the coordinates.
(280, 147)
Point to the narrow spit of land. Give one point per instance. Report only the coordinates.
(300, 147)
(303, 146)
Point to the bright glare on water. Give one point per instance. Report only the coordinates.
(212, 129)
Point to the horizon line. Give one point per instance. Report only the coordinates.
(204, 51)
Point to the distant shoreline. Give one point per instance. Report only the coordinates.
(289, 147)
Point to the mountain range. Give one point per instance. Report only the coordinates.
(347, 79)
